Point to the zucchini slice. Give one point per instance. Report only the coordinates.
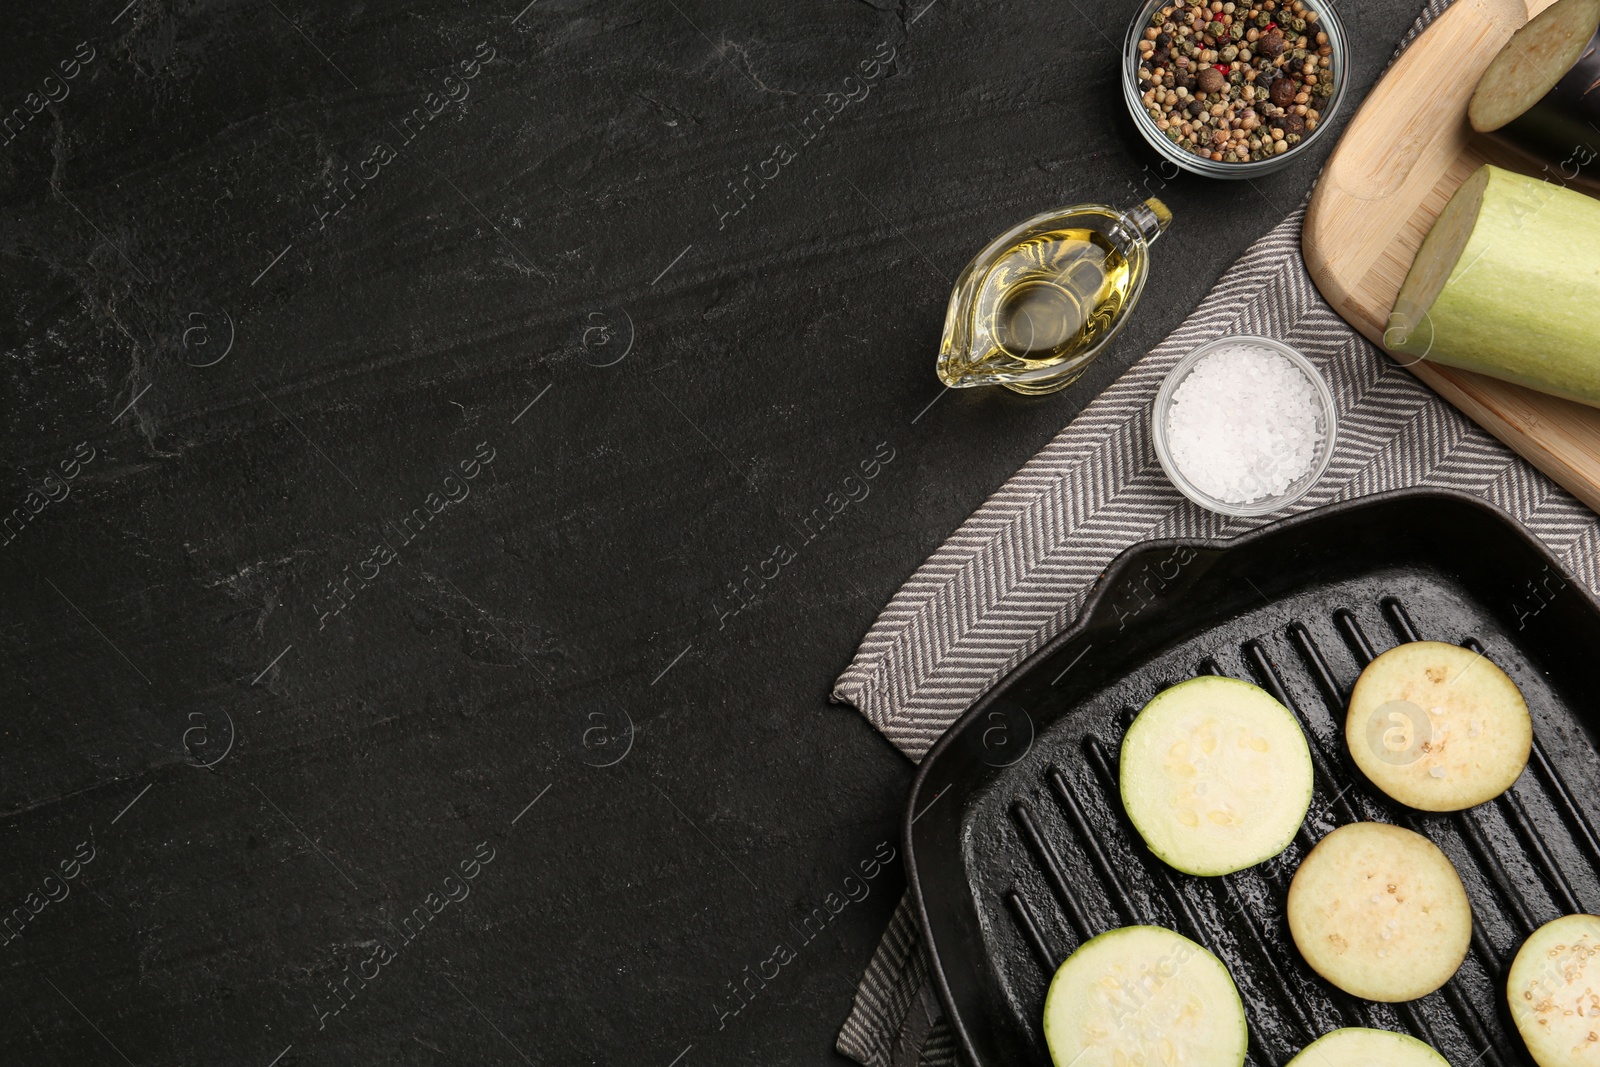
(1143, 994)
(1554, 1000)
(1357, 1047)
(1438, 727)
(1216, 776)
(1380, 912)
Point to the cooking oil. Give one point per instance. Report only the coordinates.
(1034, 308)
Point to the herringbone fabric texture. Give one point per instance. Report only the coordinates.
(1016, 572)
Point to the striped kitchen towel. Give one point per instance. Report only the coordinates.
(1015, 574)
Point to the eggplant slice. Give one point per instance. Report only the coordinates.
(1541, 94)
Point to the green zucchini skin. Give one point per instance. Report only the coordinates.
(1522, 298)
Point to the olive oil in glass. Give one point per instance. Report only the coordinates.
(1034, 308)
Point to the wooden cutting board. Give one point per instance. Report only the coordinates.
(1404, 153)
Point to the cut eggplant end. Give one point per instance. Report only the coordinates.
(1410, 330)
(1355, 1046)
(1551, 992)
(1532, 62)
(1144, 994)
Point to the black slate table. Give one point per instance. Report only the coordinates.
(451, 449)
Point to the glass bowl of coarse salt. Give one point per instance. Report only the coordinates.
(1244, 425)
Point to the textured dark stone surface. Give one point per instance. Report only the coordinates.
(579, 186)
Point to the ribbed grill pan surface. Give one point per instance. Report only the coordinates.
(1019, 851)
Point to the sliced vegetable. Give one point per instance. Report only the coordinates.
(1542, 92)
(1380, 912)
(1143, 994)
(1216, 775)
(1356, 1047)
(1438, 727)
(1554, 992)
(1507, 283)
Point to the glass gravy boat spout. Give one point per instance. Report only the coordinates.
(1037, 305)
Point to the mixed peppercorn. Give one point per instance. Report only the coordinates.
(1235, 82)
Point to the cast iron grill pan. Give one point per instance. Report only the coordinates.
(1018, 850)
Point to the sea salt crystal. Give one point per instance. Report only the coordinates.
(1243, 424)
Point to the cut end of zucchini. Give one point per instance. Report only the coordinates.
(1216, 776)
(1143, 994)
(1380, 912)
(1554, 992)
(1507, 283)
(1410, 329)
(1532, 62)
(1438, 727)
(1357, 1047)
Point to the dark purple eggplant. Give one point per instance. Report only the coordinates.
(1541, 94)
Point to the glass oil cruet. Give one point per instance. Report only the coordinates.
(1034, 308)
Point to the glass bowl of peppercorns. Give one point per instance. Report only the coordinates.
(1233, 88)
